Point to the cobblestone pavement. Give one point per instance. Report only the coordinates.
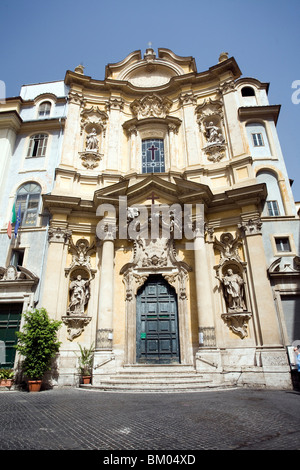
(76, 419)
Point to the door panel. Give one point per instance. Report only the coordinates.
(10, 317)
(157, 322)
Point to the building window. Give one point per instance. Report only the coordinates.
(44, 109)
(257, 140)
(248, 91)
(37, 145)
(153, 159)
(28, 196)
(17, 257)
(283, 244)
(273, 208)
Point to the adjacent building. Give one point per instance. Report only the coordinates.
(31, 130)
(167, 235)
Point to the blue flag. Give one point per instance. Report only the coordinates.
(18, 221)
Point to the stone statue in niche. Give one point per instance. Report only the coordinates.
(213, 134)
(233, 291)
(92, 141)
(80, 294)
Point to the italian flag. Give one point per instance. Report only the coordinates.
(12, 221)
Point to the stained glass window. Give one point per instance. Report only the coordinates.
(153, 159)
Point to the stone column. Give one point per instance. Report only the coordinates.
(190, 127)
(115, 106)
(70, 143)
(105, 309)
(203, 293)
(132, 131)
(173, 147)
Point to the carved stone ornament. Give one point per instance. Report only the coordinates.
(59, 235)
(227, 86)
(155, 257)
(75, 325)
(81, 256)
(80, 278)
(151, 106)
(251, 226)
(280, 267)
(228, 247)
(93, 120)
(21, 274)
(237, 322)
(90, 159)
(210, 118)
(231, 272)
(104, 338)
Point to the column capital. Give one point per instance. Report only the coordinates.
(251, 226)
(59, 235)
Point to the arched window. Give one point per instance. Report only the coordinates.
(273, 206)
(37, 145)
(248, 91)
(44, 109)
(28, 196)
(153, 159)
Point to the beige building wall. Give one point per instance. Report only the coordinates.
(207, 163)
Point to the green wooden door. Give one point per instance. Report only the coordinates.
(157, 323)
(10, 317)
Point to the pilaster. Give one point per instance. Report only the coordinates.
(263, 302)
(104, 335)
(55, 279)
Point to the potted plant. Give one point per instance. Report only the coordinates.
(86, 363)
(6, 377)
(38, 344)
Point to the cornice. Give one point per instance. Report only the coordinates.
(43, 124)
(151, 120)
(174, 84)
(11, 120)
(260, 112)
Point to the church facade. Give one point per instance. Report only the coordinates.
(173, 233)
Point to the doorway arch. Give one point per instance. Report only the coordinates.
(157, 332)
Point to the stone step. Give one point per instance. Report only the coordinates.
(152, 378)
(154, 388)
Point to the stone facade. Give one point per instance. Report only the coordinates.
(119, 224)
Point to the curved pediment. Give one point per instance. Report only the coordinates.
(150, 71)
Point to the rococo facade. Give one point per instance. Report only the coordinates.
(158, 223)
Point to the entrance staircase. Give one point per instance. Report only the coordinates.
(153, 378)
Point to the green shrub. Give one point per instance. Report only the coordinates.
(38, 343)
(86, 360)
(6, 374)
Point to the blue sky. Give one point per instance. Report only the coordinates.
(41, 39)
